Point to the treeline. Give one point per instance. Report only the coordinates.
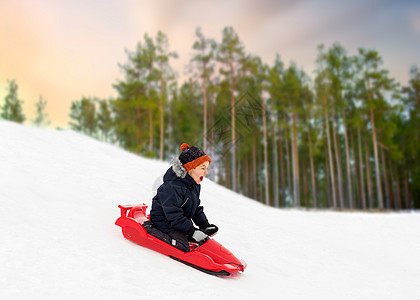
(12, 107)
(347, 139)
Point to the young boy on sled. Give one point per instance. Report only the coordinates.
(177, 202)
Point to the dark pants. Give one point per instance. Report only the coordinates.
(174, 238)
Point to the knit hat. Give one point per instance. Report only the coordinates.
(192, 157)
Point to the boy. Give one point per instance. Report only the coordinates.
(177, 202)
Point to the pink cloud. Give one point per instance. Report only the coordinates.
(415, 21)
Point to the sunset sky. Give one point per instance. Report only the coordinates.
(64, 50)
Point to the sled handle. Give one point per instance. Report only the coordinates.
(124, 209)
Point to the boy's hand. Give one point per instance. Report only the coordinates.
(211, 230)
(199, 236)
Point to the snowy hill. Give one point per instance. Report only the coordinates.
(59, 192)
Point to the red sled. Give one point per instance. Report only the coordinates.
(210, 257)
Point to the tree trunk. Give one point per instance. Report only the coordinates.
(246, 177)
(387, 202)
(356, 186)
(162, 118)
(406, 190)
(304, 197)
(295, 152)
(327, 128)
(254, 167)
(327, 176)
(138, 121)
(398, 190)
(375, 153)
(362, 181)
(348, 167)
(275, 170)
(392, 190)
(289, 163)
(205, 114)
(368, 179)
(311, 159)
(170, 132)
(227, 177)
(233, 113)
(338, 161)
(238, 172)
(282, 175)
(260, 164)
(267, 194)
(150, 113)
(138, 116)
(211, 139)
(150, 129)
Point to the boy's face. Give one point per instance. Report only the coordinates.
(198, 173)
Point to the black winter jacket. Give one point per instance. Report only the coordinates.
(176, 203)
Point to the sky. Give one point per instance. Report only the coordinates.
(65, 50)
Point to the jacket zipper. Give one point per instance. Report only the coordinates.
(185, 202)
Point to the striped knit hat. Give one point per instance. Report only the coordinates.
(192, 157)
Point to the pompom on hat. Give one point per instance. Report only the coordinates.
(192, 157)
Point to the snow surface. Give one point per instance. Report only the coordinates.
(59, 192)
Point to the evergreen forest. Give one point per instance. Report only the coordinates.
(347, 137)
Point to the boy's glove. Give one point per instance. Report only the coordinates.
(211, 230)
(199, 236)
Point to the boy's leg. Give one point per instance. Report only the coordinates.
(159, 234)
(179, 240)
(174, 238)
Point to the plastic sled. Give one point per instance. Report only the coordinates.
(210, 257)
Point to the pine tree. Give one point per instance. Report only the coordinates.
(292, 91)
(83, 114)
(135, 107)
(204, 60)
(12, 108)
(275, 89)
(41, 118)
(165, 74)
(322, 88)
(309, 108)
(187, 115)
(373, 83)
(104, 118)
(230, 53)
(410, 133)
(339, 66)
(331, 62)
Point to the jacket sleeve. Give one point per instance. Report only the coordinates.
(171, 199)
(200, 218)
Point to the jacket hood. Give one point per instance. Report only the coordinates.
(175, 173)
(178, 168)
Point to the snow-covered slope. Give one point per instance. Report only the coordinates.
(59, 192)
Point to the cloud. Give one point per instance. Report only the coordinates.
(414, 20)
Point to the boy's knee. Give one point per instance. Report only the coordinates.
(179, 240)
(180, 245)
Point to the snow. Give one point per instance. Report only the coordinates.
(59, 192)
